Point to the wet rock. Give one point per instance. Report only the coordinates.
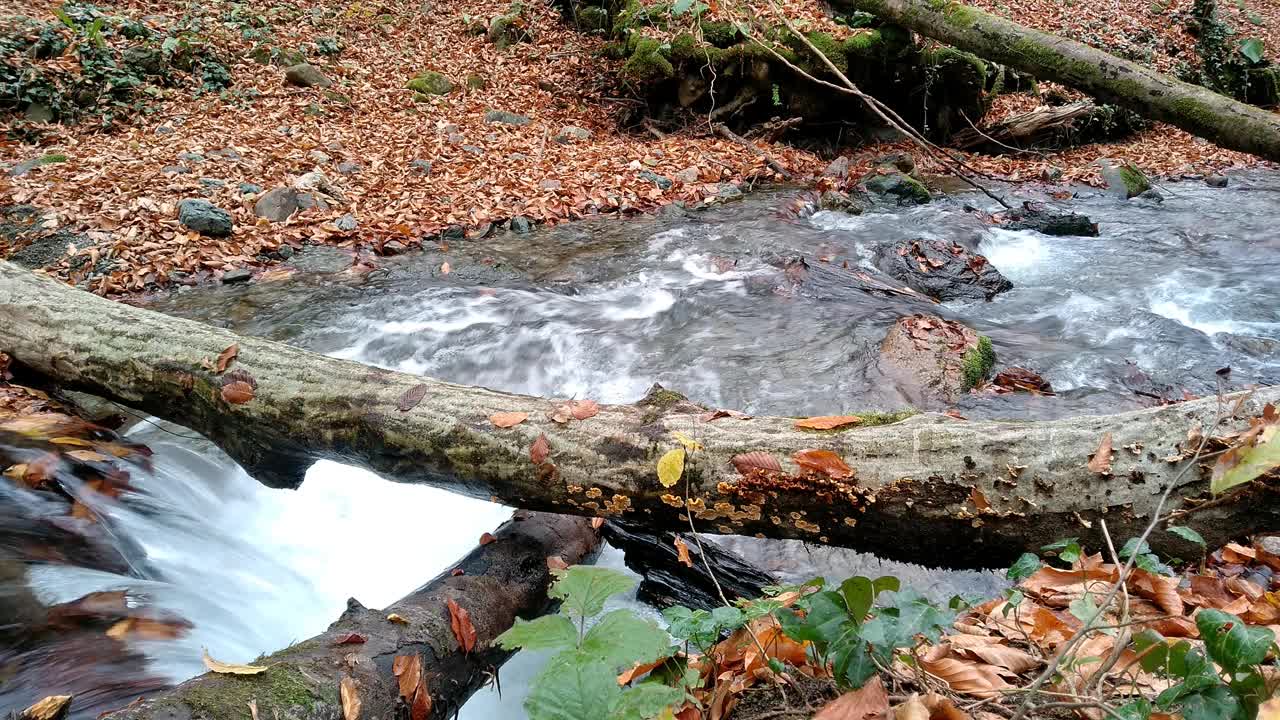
(521, 224)
(839, 168)
(250, 188)
(191, 157)
(346, 223)
(673, 210)
(688, 176)
(1258, 347)
(1151, 195)
(570, 133)
(422, 166)
(238, 275)
(935, 360)
(174, 170)
(897, 187)
(1042, 219)
(1020, 379)
(503, 117)
(285, 252)
(306, 75)
(653, 177)
(942, 271)
(840, 202)
(453, 233)
(1215, 181)
(205, 218)
(393, 247)
(728, 192)
(430, 82)
(38, 113)
(1123, 179)
(277, 204)
(319, 259)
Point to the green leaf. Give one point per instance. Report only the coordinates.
(621, 639)
(1215, 703)
(1084, 609)
(1235, 646)
(1014, 599)
(886, 583)
(1068, 550)
(859, 594)
(1024, 567)
(572, 688)
(1251, 48)
(1251, 461)
(826, 621)
(549, 632)
(852, 662)
(1134, 546)
(1139, 709)
(1187, 533)
(584, 588)
(644, 701)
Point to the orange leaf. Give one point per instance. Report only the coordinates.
(555, 562)
(411, 397)
(487, 538)
(1161, 590)
(978, 499)
(827, 422)
(420, 708)
(463, 630)
(1101, 461)
(350, 639)
(508, 419)
(963, 676)
(823, 461)
(540, 450)
(869, 702)
(237, 393)
(408, 672)
(682, 552)
(583, 409)
(350, 698)
(756, 460)
(225, 358)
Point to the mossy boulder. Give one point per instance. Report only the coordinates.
(1123, 179)
(933, 361)
(719, 34)
(647, 62)
(430, 82)
(897, 187)
(510, 28)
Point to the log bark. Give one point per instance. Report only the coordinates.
(1110, 79)
(1042, 127)
(500, 581)
(909, 495)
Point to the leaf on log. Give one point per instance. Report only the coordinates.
(237, 393)
(1100, 463)
(756, 460)
(682, 552)
(231, 668)
(351, 639)
(225, 358)
(350, 698)
(508, 419)
(823, 461)
(407, 670)
(52, 707)
(869, 702)
(487, 538)
(690, 445)
(411, 397)
(397, 619)
(583, 409)
(827, 422)
(541, 449)
(463, 630)
(671, 467)
(979, 500)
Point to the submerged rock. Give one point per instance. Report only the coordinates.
(1020, 379)
(942, 271)
(205, 218)
(238, 275)
(1215, 181)
(935, 360)
(320, 259)
(1042, 219)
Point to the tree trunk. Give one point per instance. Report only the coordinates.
(499, 581)
(930, 489)
(1043, 127)
(1110, 79)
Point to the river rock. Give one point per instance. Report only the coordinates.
(430, 82)
(205, 218)
(1020, 379)
(942, 271)
(1042, 219)
(346, 223)
(502, 117)
(570, 133)
(934, 360)
(839, 168)
(663, 183)
(1123, 179)
(247, 188)
(306, 75)
(238, 275)
(897, 187)
(277, 204)
(521, 224)
(1215, 181)
(840, 202)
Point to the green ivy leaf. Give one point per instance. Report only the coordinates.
(1084, 609)
(549, 632)
(1252, 461)
(886, 583)
(621, 639)
(570, 687)
(1024, 567)
(1068, 550)
(1134, 546)
(1230, 642)
(1139, 709)
(584, 589)
(859, 594)
(1215, 703)
(1251, 48)
(852, 662)
(1187, 533)
(645, 701)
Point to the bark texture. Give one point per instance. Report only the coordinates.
(910, 493)
(1110, 79)
(500, 581)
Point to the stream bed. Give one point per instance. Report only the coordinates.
(1166, 295)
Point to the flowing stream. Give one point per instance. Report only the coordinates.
(602, 309)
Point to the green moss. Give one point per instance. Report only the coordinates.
(685, 47)
(867, 42)
(647, 62)
(950, 55)
(870, 418)
(904, 188)
(662, 398)
(593, 19)
(278, 689)
(1135, 183)
(53, 158)
(476, 81)
(828, 46)
(430, 82)
(719, 34)
(635, 15)
(978, 362)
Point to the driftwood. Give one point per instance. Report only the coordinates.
(498, 581)
(929, 489)
(1037, 128)
(1229, 123)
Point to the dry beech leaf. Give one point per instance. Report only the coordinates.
(420, 708)
(640, 669)
(231, 668)
(555, 562)
(596, 522)
(869, 702)
(397, 619)
(463, 630)
(1161, 590)
(583, 409)
(978, 499)
(351, 639)
(682, 552)
(540, 450)
(148, 629)
(49, 708)
(1100, 463)
(828, 422)
(487, 538)
(508, 419)
(756, 460)
(237, 393)
(350, 698)
(411, 397)
(225, 358)
(407, 670)
(913, 709)
(823, 461)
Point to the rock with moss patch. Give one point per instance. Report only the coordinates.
(933, 361)
(647, 62)
(1123, 179)
(476, 81)
(510, 28)
(1042, 219)
(430, 82)
(592, 19)
(306, 75)
(897, 187)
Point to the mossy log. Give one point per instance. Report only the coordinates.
(908, 492)
(499, 581)
(1110, 79)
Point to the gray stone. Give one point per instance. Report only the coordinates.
(226, 154)
(306, 75)
(393, 247)
(174, 170)
(473, 149)
(550, 185)
(205, 218)
(839, 168)
(191, 157)
(505, 118)
(285, 251)
(1151, 195)
(37, 112)
(1123, 179)
(250, 188)
(728, 192)
(320, 259)
(213, 182)
(308, 200)
(898, 187)
(319, 157)
(456, 138)
(569, 133)
(517, 157)
(346, 223)
(346, 167)
(163, 130)
(842, 202)
(688, 176)
(453, 233)
(45, 250)
(238, 275)
(430, 82)
(653, 177)
(422, 166)
(277, 205)
(1216, 181)
(521, 224)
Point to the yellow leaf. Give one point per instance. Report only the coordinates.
(689, 443)
(397, 619)
(231, 669)
(671, 467)
(52, 707)
(1270, 710)
(350, 698)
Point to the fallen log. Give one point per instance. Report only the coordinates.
(1046, 128)
(1226, 122)
(387, 657)
(929, 489)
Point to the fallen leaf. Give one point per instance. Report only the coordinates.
(978, 499)
(1237, 553)
(148, 629)
(350, 639)
(1100, 463)
(230, 668)
(639, 669)
(463, 630)
(596, 522)
(913, 709)
(583, 409)
(237, 393)
(225, 358)
(964, 676)
(756, 460)
(411, 397)
(508, 419)
(445, 269)
(487, 538)
(555, 562)
(671, 467)
(682, 552)
(540, 450)
(420, 708)
(407, 670)
(828, 422)
(1161, 590)
(823, 461)
(869, 702)
(350, 698)
(457, 572)
(53, 707)
(397, 619)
